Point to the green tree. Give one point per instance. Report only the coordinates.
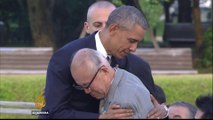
(68, 18)
(153, 10)
(204, 62)
(56, 22)
(16, 32)
(42, 23)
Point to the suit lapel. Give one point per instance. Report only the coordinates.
(91, 42)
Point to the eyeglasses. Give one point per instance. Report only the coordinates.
(78, 87)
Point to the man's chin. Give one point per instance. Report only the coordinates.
(121, 56)
(97, 97)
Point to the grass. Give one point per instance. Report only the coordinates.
(184, 87)
(176, 87)
(14, 116)
(21, 87)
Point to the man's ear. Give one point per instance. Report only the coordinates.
(113, 27)
(105, 68)
(86, 27)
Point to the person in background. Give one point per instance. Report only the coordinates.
(97, 16)
(124, 29)
(205, 106)
(160, 95)
(181, 110)
(111, 85)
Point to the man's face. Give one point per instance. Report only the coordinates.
(179, 112)
(123, 41)
(93, 84)
(97, 19)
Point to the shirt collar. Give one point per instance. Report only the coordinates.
(99, 44)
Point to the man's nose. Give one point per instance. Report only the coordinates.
(133, 47)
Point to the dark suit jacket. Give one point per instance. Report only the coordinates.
(64, 101)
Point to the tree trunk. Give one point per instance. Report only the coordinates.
(40, 13)
(153, 38)
(198, 27)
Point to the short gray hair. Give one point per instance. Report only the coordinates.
(127, 17)
(100, 4)
(192, 109)
(89, 58)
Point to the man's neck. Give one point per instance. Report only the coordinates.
(104, 39)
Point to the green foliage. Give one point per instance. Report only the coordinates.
(68, 17)
(153, 10)
(205, 60)
(207, 48)
(117, 2)
(13, 13)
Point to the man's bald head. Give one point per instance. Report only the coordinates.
(99, 5)
(87, 61)
(97, 16)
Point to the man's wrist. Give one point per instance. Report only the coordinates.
(166, 109)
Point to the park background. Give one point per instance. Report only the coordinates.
(53, 23)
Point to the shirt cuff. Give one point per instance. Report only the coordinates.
(167, 110)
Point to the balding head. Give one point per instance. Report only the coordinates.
(91, 72)
(97, 16)
(87, 61)
(99, 5)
